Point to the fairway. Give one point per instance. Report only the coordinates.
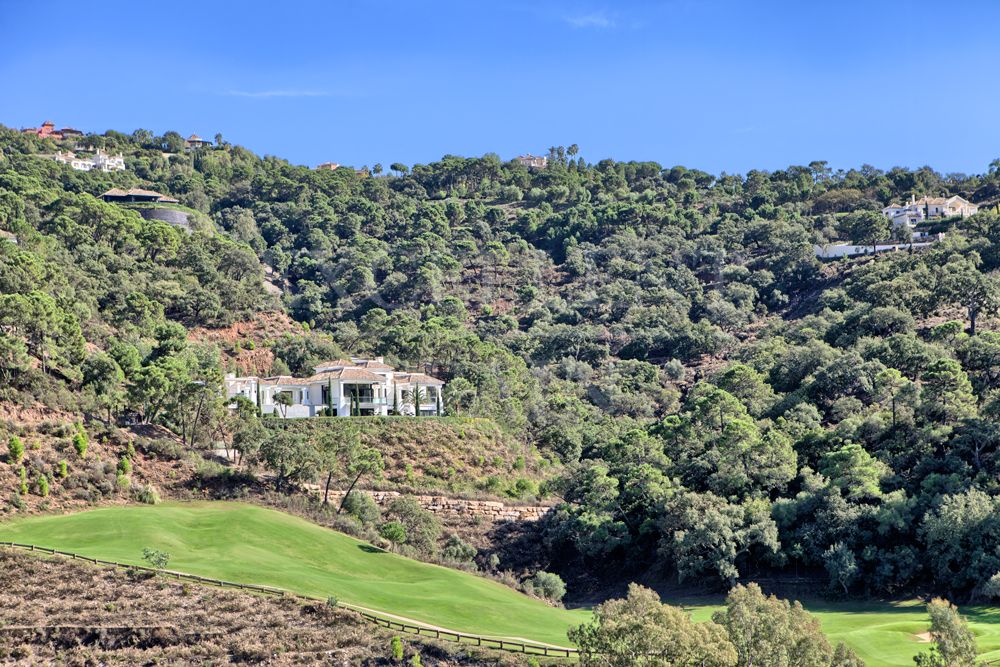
(250, 544)
(883, 633)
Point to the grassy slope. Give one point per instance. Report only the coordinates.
(453, 453)
(255, 545)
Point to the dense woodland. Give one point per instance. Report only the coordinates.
(713, 402)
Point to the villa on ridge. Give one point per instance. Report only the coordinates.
(100, 161)
(342, 388)
(532, 161)
(925, 208)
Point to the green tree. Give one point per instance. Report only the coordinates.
(954, 643)
(359, 460)
(866, 227)
(768, 631)
(975, 291)
(15, 450)
(856, 472)
(290, 456)
(393, 532)
(103, 376)
(641, 631)
(841, 565)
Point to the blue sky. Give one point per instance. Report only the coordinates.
(710, 84)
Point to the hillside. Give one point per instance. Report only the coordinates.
(56, 610)
(706, 399)
(452, 453)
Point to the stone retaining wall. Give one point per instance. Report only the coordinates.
(168, 215)
(491, 510)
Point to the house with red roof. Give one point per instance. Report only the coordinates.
(48, 131)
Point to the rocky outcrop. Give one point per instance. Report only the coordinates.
(491, 510)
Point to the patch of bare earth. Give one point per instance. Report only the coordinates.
(54, 611)
(246, 343)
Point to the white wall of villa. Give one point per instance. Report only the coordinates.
(343, 387)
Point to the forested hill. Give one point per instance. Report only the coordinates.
(714, 400)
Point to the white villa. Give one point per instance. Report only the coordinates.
(101, 161)
(532, 161)
(924, 208)
(343, 387)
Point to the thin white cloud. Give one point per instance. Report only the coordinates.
(263, 94)
(598, 20)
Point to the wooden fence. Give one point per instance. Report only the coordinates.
(391, 624)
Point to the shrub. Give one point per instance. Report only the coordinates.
(130, 451)
(43, 485)
(156, 558)
(16, 448)
(63, 469)
(363, 507)
(457, 550)
(422, 527)
(331, 601)
(124, 466)
(122, 482)
(524, 487)
(17, 502)
(394, 532)
(80, 442)
(146, 493)
(415, 661)
(396, 646)
(164, 448)
(547, 585)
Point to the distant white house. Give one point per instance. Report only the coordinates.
(926, 208)
(532, 161)
(837, 250)
(101, 161)
(342, 388)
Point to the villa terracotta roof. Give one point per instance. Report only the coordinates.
(336, 363)
(373, 364)
(358, 374)
(417, 378)
(139, 192)
(282, 380)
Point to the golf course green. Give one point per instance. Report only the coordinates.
(250, 544)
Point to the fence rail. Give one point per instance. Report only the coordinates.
(389, 623)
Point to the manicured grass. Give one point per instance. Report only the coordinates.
(249, 544)
(882, 633)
